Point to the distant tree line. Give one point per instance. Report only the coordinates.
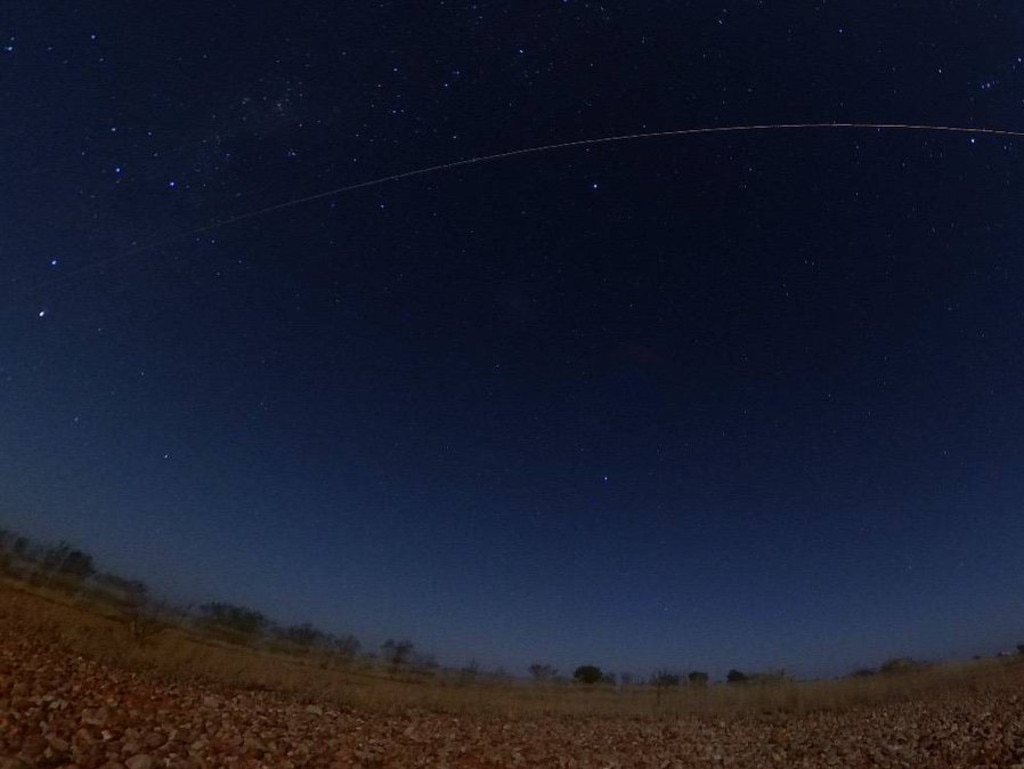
(64, 566)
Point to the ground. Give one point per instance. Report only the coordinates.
(64, 704)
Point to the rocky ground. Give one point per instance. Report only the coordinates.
(60, 709)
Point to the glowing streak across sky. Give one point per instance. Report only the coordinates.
(534, 151)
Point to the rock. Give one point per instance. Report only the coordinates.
(95, 717)
(154, 739)
(140, 761)
(57, 744)
(32, 747)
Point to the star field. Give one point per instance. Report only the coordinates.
(745, 399)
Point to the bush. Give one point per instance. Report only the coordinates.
(397, 653)
(542, 673)
(347, 646)
(126, 592)
(68, 561)
(769, 678)
(588, 674)
(736, 677)
(239, 619)
(898, 665)
(698, 678)
(664, 679)
(469, 673)
(303, 635)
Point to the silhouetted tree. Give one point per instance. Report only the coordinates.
(736, 677)
(500, 676)
(862, 673)
(698, 678)
(587, 674)
(6, 548)
(397, 653)
(130, 592)
(304, 635)
(240, 619)
(469, 672)
(66, 560)
(347, 646)
(901, 665)
(1020, 648)
(666, 678)
(769, 678)
(542, 672)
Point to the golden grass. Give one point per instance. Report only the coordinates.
(89, 626)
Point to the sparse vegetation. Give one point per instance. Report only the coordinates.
(697, 678)
(542, 673)
(64, 560)
(898, 665)
(469, 673)
(118, 621)
(736, 677)
(236, 624)
(397, 653)
(664, 679)
(587, 674)
(304, 635)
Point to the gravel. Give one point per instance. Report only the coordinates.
(60, 709)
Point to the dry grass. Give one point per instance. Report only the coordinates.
(78, 692)
(93, 627)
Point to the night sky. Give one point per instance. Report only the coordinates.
(748, 399)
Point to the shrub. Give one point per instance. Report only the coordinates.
(698, 678)
(736, 677)
(347, 646)
(542, 672)
(68, 561)
(898, 665)
(664, 679)
(397, 653)
(239, 619)
(769, 678)
(500, 676)
(126, 592)
(588, 674)
(303, 635)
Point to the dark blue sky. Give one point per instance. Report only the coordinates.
(739, 400)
